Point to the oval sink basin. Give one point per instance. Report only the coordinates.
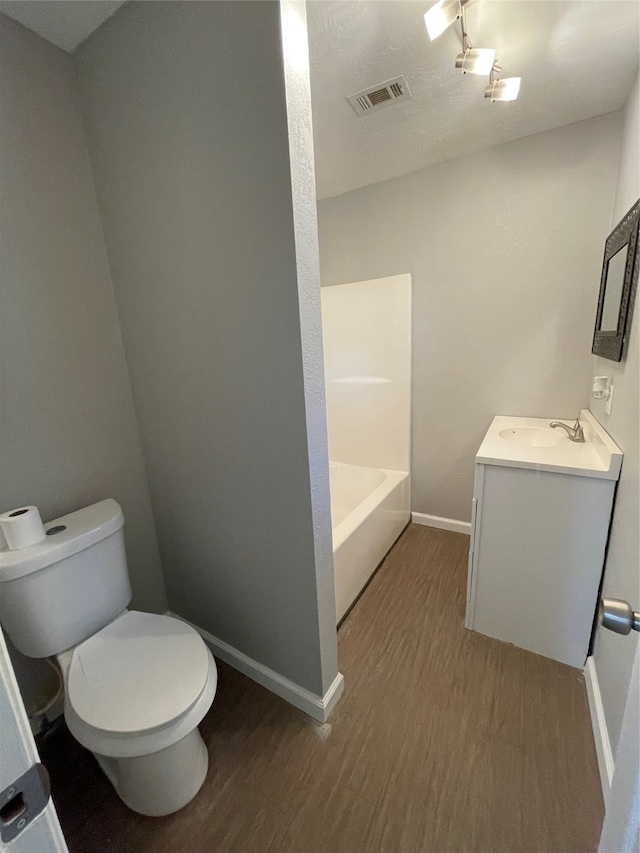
(533, 436)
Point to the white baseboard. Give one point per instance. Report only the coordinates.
(441, 523)
(318, 707)
(599, 724)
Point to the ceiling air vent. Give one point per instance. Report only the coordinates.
(380, 96)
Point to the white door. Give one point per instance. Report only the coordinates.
(28, 820)
(621, 828)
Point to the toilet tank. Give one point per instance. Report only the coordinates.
(55, 594)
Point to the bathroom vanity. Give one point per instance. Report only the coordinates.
(540, 519)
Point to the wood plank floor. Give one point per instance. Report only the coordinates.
(444, 740)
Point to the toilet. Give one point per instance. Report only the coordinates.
(136, 684)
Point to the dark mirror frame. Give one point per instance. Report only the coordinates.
(613, 344)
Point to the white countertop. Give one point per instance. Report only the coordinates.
(599, 456)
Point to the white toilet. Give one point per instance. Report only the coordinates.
(136, 684)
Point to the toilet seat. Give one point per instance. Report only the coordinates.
(138, 685)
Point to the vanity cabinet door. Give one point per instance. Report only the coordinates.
(537, 558)
(473, 540)
(474, 507)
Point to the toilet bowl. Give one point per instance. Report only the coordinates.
(136, 684)
(134, 695)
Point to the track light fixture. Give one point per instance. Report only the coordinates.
(502, 90)
(476, 60)
(443, 14)
(472, 60)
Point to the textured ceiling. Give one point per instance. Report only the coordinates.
(65, 23)
(577, 59)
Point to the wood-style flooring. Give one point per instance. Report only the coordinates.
(444, 740)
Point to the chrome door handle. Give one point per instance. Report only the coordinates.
(617, 615)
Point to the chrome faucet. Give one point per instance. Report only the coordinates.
(575, 433)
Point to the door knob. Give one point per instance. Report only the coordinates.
(617, 615)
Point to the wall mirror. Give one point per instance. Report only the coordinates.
(617, 288)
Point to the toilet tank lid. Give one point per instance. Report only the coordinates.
(82, 529)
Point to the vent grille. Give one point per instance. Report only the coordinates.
(382, 95)
(379, 96)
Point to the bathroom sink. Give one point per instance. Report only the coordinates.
(533, 436)
(531, 443)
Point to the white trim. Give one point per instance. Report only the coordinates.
(441, 523)
(599, 724)
(318, 707)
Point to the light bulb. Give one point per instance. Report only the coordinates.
(441, 16)
(503, 90)
(476, 60)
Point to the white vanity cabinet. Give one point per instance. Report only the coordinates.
(540, 522)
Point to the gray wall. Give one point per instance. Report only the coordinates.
(184, 106)
(68, 433)
(504, 248)
(614, 654)
(305, 224)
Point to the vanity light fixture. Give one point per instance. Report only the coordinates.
(443, 14)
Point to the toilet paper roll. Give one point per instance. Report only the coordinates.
(22, 527)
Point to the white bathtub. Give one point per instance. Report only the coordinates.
(370, 507)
